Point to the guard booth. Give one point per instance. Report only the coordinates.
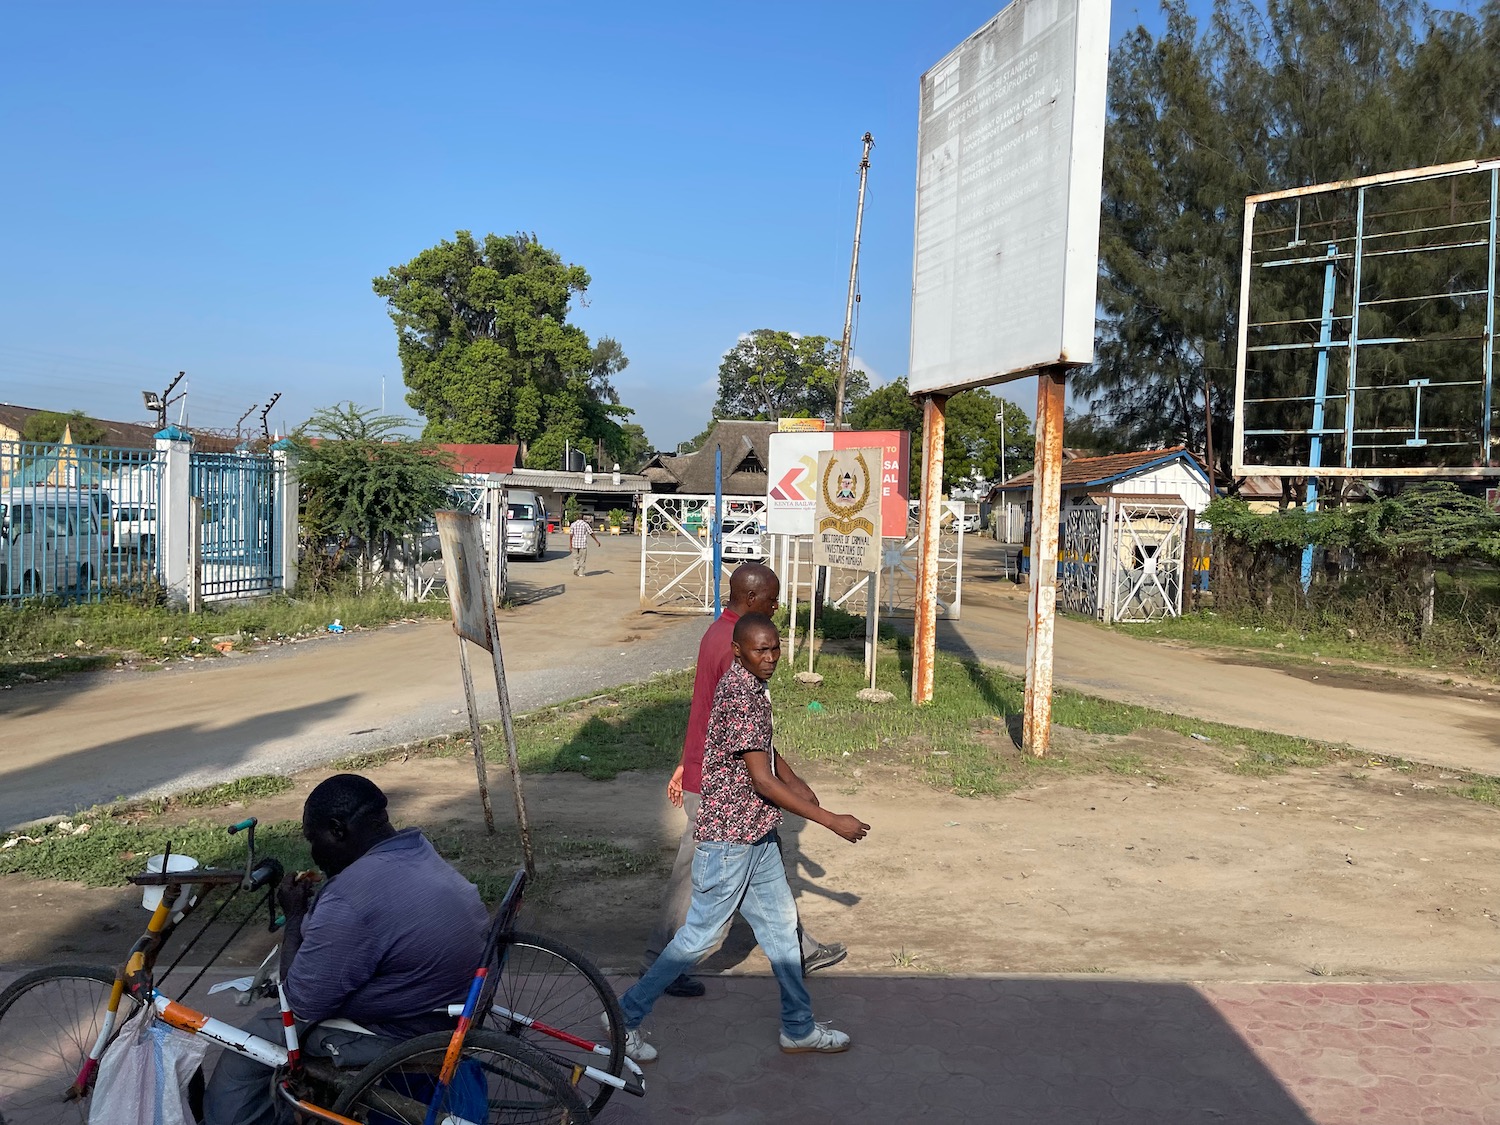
(1123, 557)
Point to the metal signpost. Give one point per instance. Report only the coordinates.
(1010, 149)
(848, 523)
(469, 594)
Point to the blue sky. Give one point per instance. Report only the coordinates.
(210, 187)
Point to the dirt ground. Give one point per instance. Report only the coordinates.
(1189, 872)
(1193, 873)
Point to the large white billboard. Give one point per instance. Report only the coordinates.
(1010, 154)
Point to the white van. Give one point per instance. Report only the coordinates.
(50, 540)
(525, 524)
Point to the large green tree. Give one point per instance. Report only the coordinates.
(770, 374)
(972, 436)
(1267, 95)
(488, 354)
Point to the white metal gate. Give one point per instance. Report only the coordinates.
(1146, 551)
(1078, 557)
(849, 589)
(677, 556)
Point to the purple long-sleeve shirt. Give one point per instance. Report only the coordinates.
(394, 936)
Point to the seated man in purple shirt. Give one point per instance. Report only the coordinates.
(391, 940)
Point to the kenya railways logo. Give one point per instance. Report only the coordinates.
(786, 489)
(839, 494)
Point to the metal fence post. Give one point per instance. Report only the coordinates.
(174, 514)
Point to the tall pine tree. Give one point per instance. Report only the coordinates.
(1288, 93)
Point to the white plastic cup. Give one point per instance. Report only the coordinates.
(151, 896)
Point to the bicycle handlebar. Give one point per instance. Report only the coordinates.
(248, 822)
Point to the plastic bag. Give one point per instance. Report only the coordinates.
(144, 1074)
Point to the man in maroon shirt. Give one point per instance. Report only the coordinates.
(753, 588)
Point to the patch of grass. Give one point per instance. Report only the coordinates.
(39, 670)
(116, 846)
(1485, 790)
(1258, 753)
(1330, 644)
(639, 726)
(240, 790)
(46, 639)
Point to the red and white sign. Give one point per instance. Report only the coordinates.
(792, 495)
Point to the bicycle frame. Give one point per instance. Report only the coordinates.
(177, 903)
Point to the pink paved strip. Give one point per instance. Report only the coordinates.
(1389, 1053)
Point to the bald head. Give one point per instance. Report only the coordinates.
(754, 588)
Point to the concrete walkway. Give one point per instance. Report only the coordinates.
(1070, 1051)
(1081, 1052)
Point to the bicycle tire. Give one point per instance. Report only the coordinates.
(521, 1085)
(44, 1040)
(554, 983)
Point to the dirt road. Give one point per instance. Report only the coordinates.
(86, 739)
(1408, 715)
(89, 739)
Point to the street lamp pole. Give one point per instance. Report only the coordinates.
(1000, 417)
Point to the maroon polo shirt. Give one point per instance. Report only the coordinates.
(714, 658)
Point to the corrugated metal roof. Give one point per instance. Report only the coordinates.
(572, 482)
(1089, 472)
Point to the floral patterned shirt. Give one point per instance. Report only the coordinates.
(739, 722)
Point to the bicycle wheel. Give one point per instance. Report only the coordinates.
(554, 985)
(499, 1081)
(49, 1021)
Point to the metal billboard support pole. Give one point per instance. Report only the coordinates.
(1041, 603)
(1320, 399)
(476, 737)
(924, 650)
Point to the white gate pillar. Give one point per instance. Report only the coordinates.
(285, 512)
(174, 537)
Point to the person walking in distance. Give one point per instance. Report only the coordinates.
(737, 859)
(581, 531)
(753, 588)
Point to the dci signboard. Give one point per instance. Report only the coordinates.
(795, 482)
(847, 523)
(1010, 149)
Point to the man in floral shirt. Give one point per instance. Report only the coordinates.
(737, 862)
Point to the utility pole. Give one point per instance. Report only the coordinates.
(859, 215)
(265, 414)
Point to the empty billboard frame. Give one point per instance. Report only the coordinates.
(1367, 327)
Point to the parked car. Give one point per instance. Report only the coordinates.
(525, 524)
(50, 540)
(969, 522)
(133, 528)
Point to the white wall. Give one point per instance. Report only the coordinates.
(1175, 479)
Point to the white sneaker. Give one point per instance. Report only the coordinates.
(822, 1040)
(636, 1047)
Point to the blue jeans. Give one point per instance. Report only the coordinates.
(729, 877)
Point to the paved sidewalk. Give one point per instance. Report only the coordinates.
(1069, 1051)
(1076, 1051)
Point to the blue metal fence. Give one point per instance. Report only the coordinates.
(240, 554)
(77, 522)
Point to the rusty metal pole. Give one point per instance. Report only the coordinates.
(1046, 514)
(924, 651)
